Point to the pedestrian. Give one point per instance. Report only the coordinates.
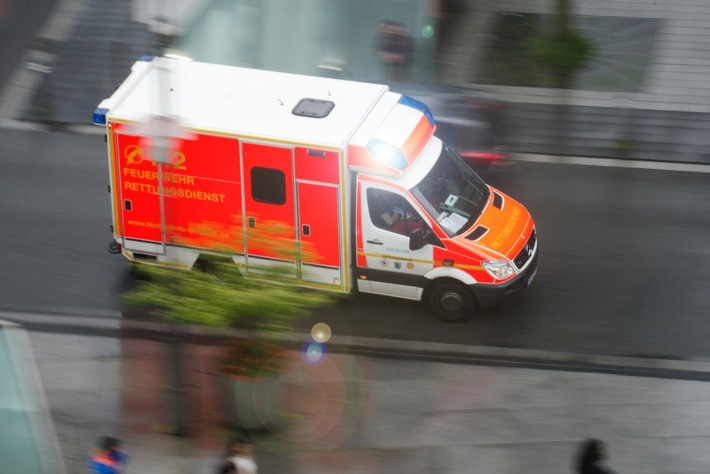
(227, 467)
(394, 48)
(592, 458)
(108, 457)
(243, 457)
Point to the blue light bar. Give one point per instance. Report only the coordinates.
(146, 57)
(100, 116)
(420, 106)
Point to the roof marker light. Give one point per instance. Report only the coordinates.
(420, 106)
(100, 116)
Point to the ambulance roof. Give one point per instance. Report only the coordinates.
(248, 102)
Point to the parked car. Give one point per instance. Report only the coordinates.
(470, 121)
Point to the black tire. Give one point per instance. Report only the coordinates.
(452, 302)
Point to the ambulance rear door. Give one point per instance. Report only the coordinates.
(269, 204)
(320, 234)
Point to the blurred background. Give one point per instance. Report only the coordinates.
(592, 113)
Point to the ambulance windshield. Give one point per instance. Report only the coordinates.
(452, 193)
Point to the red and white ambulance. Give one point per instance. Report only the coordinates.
(351, 171)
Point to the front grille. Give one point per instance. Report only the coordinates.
(524, 255)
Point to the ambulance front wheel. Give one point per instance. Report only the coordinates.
(452, 302)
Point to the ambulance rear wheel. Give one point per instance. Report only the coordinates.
(452, 302)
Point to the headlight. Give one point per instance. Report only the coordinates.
(498, 269)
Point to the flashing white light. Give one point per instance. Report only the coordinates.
(387, 153)
(175, 55)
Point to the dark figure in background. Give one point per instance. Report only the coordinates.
(592, 458)
(227, 467)
(109, 457)
(394, 47)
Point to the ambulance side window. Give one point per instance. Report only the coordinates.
(268, 185)
(391, 212)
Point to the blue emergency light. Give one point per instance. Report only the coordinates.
(420, 106)
(100, 116)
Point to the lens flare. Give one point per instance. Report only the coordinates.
(427, 31)
(321, 333)
(313, 353)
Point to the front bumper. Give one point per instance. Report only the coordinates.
(492, 294)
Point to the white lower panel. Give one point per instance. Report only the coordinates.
(328, 276)
(392, 289)
(143, 247)
(255, 263)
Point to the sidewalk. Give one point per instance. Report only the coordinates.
(363, 413)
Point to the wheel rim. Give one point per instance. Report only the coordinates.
(452, 302)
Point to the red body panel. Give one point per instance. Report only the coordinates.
(317, 165)
(318, 216)
(269, 221)
(201, 199)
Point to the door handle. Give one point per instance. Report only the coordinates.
(375, 242)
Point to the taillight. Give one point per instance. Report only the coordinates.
(482, 156)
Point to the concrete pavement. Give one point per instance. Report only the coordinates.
(381, 406)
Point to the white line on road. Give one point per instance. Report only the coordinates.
(100, 321)
(611, 163)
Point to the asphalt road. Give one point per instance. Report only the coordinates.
(19, 21)
(54, 224)
(624, 265)
(623, 269)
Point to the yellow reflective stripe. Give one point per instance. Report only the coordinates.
(416, 260)
(393, 257)
(465, 267)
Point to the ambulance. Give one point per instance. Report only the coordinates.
(350, 171)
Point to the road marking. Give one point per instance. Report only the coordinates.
(102, 320)
(27, 76)
(611, 163)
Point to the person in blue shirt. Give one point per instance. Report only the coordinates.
(108, 458)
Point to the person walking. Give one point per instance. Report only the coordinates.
(592, 458)
(395, 48)
(227, 467)
(108, 457)
(243, 457)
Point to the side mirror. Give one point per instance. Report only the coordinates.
(416, 239)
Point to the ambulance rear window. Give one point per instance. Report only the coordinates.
(268, 185)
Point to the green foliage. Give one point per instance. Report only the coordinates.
(561, 54)
(218, 295)
(266, 303)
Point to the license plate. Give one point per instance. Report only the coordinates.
(531, 278)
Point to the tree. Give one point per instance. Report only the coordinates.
(265, 304)
(563, 51)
